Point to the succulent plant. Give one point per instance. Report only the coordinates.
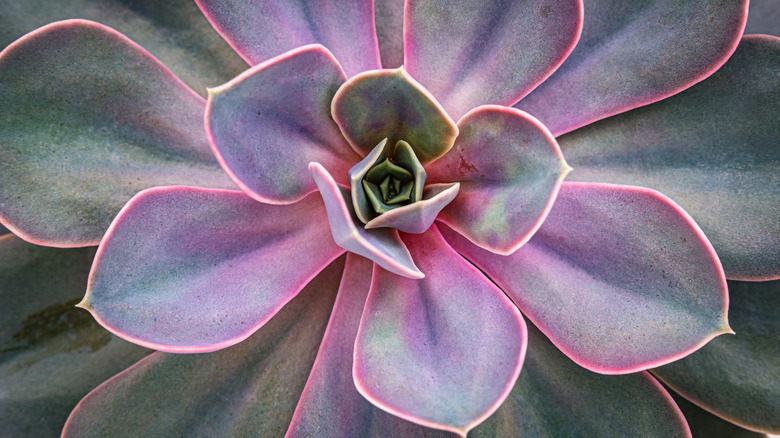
(480, 293)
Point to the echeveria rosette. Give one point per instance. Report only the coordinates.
(420, 27)
(446, 307)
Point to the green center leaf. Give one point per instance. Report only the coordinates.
(384, 181)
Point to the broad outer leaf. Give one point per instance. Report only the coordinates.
(389, 18)
(714, 149)
(383, 246)
(174, 31)
(510, 169)
(330, 405)
(249, 389)
(390, 104)
(633, 53)
(554, 397)
(619, 278)
(763, 17)
(266, 125)
(191, 270)
(51, 353)
(261, 29)
(738, 377)
(475, 52)
(89, 119)
(443, 351)
(706, 425)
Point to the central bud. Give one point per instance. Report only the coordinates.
(386, 179)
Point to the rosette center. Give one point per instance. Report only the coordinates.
(386, 179)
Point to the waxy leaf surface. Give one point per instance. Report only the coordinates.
(51, 353)
(554, 397)
(249, 389)
(632, 53)
(510, 169)
(474, 52)
(261, 29)
(89, 119)
(193, 270)
(174, 31)
(738, 377)
(618, 277)
(382, 246)
(443, 351)
(713, 149)
(330, 405)
(390, 104)
(267, 125)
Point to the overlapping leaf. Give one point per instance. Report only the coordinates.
(89, 119)
(247, 390)
(712, 148)
(192, 270)
(619, 278)
(634, 53)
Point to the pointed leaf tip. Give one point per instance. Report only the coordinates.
(652, 279)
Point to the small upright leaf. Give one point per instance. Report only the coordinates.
(384, 247)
